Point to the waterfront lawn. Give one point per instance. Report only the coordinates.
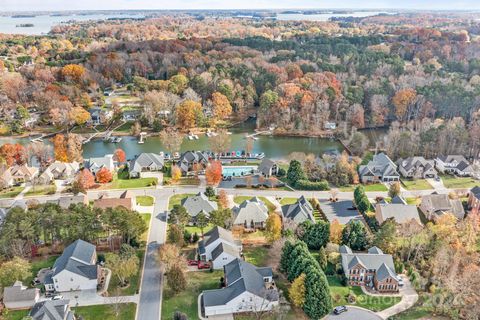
(145, 201)
(106, 312)
(114, 289)
(256, 255)
(41, 190)
(126, 127)
(11, 192)
(340, 294)
(177, 199)
(186, 301)
(240, 199)
(418, 184)
(375, 187)
(453, 182)
(286, 201)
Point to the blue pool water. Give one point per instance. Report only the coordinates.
(238, 171)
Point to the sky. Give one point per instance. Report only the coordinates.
(51, 5)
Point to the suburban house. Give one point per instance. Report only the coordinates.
(189, 159)
(399, 210)
(19, 296)
(59, 170)
(417, 168)
(76, 269)
(247, 288)
(145, 162)
(131, 115)
(99, 115)
(380, 169)
(198, 203)
(298, 212)
(66, 201)
(126, 199)
(474, 200)
(219, 247)
(52, 310)
(251, 214)
(18, 174)
(95, 164)
(454, 164)
(268, 168)
(374, 269)
(435, 205)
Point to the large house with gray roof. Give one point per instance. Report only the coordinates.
(219, 247)
(373, 269)
(52, 310)
(75, 269)
(380, 169)
(188, 160)
(145, 162)
(454, 164)
(268, 167)
(435, 205)
(398, 210)
(19, 296)
(247, 288)
(59, 170)
(298, 212)
(251, 214)
(98, 163)
(197, 204)
(417, 168)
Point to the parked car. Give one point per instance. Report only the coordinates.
(57, 297)
(203, 265)
(340, 309)
(400, 281)
(192, 262)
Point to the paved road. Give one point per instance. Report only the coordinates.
(354, 313)
(150, 302)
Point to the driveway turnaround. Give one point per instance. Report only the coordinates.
(354, 313)
(409, 297)
(342, 210)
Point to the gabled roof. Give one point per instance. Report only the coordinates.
(300, 211)
(95, 164)
(77, 258)
(344, 249)
(354, 262)
(441, 204)
(384, 272)
(375, 250)
(146, 160)
(372, 260)
(125, 200)
(398, 200)
(199, 203)
(265, 166)
(475, 191)
(402, 213)
(18, 292)
(380, 165)
(216, 233)
(250, 210)
(51, 310)
(225, 247)
(66, 201)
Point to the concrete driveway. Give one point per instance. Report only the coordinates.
(409, 297)
(437, 185)
(354, 313)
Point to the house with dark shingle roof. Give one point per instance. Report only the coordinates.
(145, 162)
(373, 269)
(247, 288)
(435, 205)
(75, 269)
(298, 212)
(251, 214)
(397, 209)
(19, 296)
(52, 310)
(189, 159)
(474, 200)
(219, 247)
(380, 169)
(197, 204)
(98, 163)
(417, 168)
(268, 167)
(454, 164)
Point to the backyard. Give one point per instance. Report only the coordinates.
(38, 264)
(453, 182)
(114, 289)
(418, 184)
(256, 255)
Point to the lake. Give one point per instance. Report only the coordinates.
(325, 16)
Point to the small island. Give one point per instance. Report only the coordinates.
(25, 25)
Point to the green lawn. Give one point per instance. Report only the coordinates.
(126, 127)
(145, 201)
(177, 199)
(106, 312)
(134, 286)
(193, 229)
(414, 313)
(340, 293)
(452, 182)
(368, 188)
(14, 314)
(41, 190)
(419, 184)
(121, 181)
(37, 265)
(257, 256)
(415, 201)
(286, 201)
(240, 199)
(186, 301)
(11, 192)
(146, 217)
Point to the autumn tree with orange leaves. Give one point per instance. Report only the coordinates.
(13, 154)
(79, 116)
(213, 173)
(84, 181)
(221, 106)
(403, 100)
(60, 148)
(104, 176)
(73, 72)
(187, 112)
(119, 156)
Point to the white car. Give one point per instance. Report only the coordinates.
(57, 297)
(400, 281)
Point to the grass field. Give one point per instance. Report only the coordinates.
(177, 199)
(193, 229)
(186, 301)
(121, 181)
(14, 314)
(286, 201)
(415, 201)
(146, 217)
(368, 188)
(114, 289)
(419, 184)
(106, 312)
(240, 199)
(452, 182)
(37, 264)
(257, 255)
(145, 200)
(11, 192)
(41, 190)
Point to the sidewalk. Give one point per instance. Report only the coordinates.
(91, 298)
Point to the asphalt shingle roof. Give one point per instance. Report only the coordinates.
(51, 310)
(198, 203)
(144, 160)
(76, 258)
(299, 212)
(250, 210)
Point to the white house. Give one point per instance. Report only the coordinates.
(454, 164)
(417, 168)
(198, 204)
(75, 269)
(59, 170)
(247, 289)
(219, 247)
(95, 164)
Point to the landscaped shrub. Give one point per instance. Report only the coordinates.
(311, 185)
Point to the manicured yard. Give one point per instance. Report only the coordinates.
(134, 286)
(186, 301)
(452, 182)
(414, 313)
(193, 229)
(146, 217)
(368, 187)
(340, 293)
(145, 200)
(11, 192)
(126, 127)
(419, 184)
(240, 199)
(41, 190)
(15, 314)
(257, 255)
(106, 312)
(415, 201)
(286, 201)
(121, 181)
(177, 199)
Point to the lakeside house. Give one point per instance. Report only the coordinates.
(435, 205)
(373, 269)
(397, 209)
(190, 159)
(417, 168)
(18, 174)
(380, 169)
(246, 288)
(67, 201)
(197, 204)
(59, 170)
(251, 214)
(52, 310)
(474, 200)
(126, 200)
(268, 167)
(145, 162)
(219, 247)
(76, 269)
(454, 164)
(19, 296)
(99, 115)
(300, 211)
(98, 163)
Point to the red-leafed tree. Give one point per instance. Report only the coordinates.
(104, 176)
(13, 154)
(213, 173)
(84, 181)
(119, 156)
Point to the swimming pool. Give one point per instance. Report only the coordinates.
(238, 171)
